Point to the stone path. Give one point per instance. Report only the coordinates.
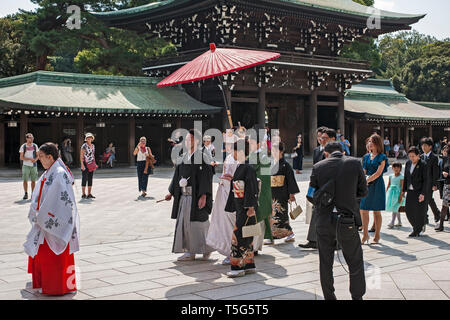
(126, 254)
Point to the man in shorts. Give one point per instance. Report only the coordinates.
(29, 155)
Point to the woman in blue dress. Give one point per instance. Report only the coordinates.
(375, 163)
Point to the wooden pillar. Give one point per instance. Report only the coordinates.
(382, 131)
(24, 127)
(399, 134)
(2, 142)
(131, 140)
(226, 123)
(80, 138)
(341, 113)
(430, 130)
(406, 137)
(355, 139)
(391, 136)
(312, 121)
(261, 113)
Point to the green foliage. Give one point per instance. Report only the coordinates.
(15, 56)
(365, 2)
(427, 78)
(94, 48)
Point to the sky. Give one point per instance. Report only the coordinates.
(436, 23)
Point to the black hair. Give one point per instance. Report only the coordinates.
(414, 150)
(321, 129)
(196, 134)
(333, 146)
(49, 148)
(427, 140)
(397, 165)
(238, 146)
(331, 133)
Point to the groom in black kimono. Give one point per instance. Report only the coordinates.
(191, 188)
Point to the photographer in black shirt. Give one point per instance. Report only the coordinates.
(338, 182)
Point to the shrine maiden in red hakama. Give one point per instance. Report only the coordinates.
(54, 235)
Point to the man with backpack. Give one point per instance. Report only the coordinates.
(29, 155)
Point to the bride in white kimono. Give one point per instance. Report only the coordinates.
(222, 222)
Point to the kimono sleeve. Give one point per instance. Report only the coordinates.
(174, 180)
(251, 189)
(290, 180)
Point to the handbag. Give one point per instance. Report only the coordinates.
(294, 213)
(92, 166)
(251, 231)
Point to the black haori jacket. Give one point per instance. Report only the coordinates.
(200, 179)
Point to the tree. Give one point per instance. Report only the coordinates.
(427, 78)
(95, 48)
(364, 49)
(15, 56)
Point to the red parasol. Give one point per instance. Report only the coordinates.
(216, 62)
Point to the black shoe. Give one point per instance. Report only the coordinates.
(83, 196)
(357, 298)
(372, 230)
(439, 229)
(308, 245)
(256, 253)
(25, 197)
(446, 218)
(90, 196)
(250, 268)
(413, 235)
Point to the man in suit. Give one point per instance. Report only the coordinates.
(326, 135)
(432, 162)
(318, 151)
(340, 220)
(415, 184)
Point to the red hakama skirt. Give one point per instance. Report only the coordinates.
(54, 274)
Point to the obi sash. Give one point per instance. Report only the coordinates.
(277, 181)
(238, 189)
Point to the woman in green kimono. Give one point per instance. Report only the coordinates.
(261, 163)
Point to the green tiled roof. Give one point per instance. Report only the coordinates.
(339, 6)
(96, 93)
(377, 98)
(350, 7)
(435, 105)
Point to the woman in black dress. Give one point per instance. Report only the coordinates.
(243, 199)
(298, 160)
(415, 185)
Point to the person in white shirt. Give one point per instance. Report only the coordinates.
(29, 155)
(142, 152)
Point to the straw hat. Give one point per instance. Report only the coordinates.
(87, 135)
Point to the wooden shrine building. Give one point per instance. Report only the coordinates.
(54, 106)
(375, 106)
(296, 93)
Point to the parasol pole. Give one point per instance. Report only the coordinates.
(227, 106)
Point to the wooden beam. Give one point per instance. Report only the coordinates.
(131, 140)
(328, 103)
(244, 100)
(261, 113)
(80, 138)
(341, 113)
(24, 127)
(312, 121)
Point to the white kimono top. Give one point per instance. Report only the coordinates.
(53, 212)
